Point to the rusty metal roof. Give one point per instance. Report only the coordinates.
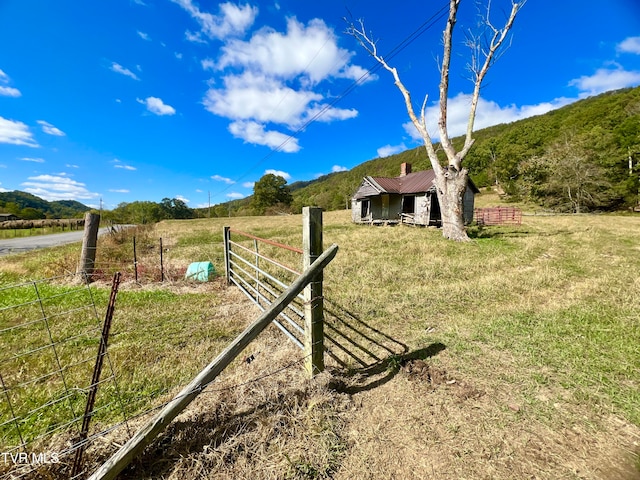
(418, 182)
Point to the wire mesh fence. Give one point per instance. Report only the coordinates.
(50, 331)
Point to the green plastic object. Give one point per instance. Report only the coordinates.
(200, 271)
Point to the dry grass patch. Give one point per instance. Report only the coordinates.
(528, 338)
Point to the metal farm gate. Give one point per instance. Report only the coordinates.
(249, 265)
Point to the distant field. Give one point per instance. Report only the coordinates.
(29, 232)
(522, 355)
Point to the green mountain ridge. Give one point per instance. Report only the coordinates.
(28, 206)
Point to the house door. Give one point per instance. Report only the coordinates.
(365, 208)
(435, 217)
(385, 206)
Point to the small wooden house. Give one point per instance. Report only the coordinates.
(7, 217)
(410, 198)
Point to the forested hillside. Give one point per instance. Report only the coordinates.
(582, 150)
(29, 207)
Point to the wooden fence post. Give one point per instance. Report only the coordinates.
(110, 469)
(227, 247)
(313, 300)
(89, 242)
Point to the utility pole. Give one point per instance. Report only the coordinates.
(209, 203)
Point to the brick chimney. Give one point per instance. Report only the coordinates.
(405, 169)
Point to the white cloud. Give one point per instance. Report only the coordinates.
(16, 133)
(156, 106)
(119, 190)
(235, 195)
(194, 37)
(253, 132)
(279, 173)
(219, 178)
(488, 113)
(50, 129)
(143, 35)
(629, 45)
(180, 197)
(119, 164)
(253, 96)
(391, 149)
(35, 160)
(178, 55)
(232, 20)
(116, 67)
(55, 187)
(70, 165)
(338, 168)
(272, 79)
(9, 92)
(208, 64)
(606, 79)
(248, 184)
(310, 52)
(5, 89)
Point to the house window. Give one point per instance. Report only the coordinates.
(365, 208)
(409, 204)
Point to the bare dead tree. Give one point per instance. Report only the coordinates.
(450, 180)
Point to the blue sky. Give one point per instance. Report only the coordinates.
(124, 100)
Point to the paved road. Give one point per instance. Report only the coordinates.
(23, 244)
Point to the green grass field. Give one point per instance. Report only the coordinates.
(537, 332)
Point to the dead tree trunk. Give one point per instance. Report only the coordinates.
(450, 190)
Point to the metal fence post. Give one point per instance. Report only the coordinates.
(135, 259)
(313, 306)
(161, 262)
(227, 247)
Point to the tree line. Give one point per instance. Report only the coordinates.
(146, 212)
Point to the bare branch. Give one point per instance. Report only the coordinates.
(444, 81)
(370, 46)
(490, 52)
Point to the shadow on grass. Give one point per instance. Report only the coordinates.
(365, 353)
(352, 343)
(478, 232)
(382, 372)
(362, 352)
